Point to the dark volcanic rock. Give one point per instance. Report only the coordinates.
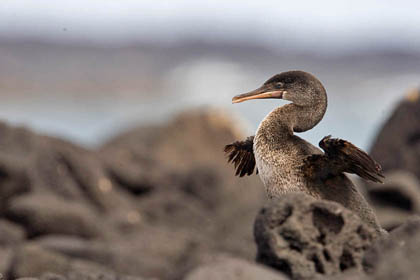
(76, 247)
(50, 214)
(396, 257)
(152, 202)
(155, 252)
(32, 260)
(52, 276)
(13, 179)
(83, 275)
(32, 162)
(397, 199)
(352, 274)
(397, 149)
(10, 233)
(305, 238)
(97, 276)
(88, 275)
(397, 146)
(6, 260)
(189, 183)
(233, 269)
(191, 138)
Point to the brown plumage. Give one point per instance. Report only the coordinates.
(241, 154)
(287, 163)
(342, 156)
(339, 156)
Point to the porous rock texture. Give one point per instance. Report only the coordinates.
(83, 275)
(397, 149)
(233, 269)
(307, 238)
(159, 202)
(397, 200)
(152, 202)
(398, 255)
(397, 145)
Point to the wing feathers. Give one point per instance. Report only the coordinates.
(241, 154)
(346, 157)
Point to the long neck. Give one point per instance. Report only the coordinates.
(306, 117)
(290, 118)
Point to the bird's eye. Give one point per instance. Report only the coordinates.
(278, 85)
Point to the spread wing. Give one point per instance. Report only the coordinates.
(241, 154)
(342, 156)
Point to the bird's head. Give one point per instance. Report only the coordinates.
(298, 87)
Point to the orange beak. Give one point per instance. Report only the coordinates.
(262, 92)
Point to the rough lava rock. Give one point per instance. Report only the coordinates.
(233, 269)
(396, 257)
(10, 233)
(50, 214)
(397, 200)
(150, 203)
(6, 260)
(32, 260)
(306, 238)
(397, 149)
(84, 275)
(193, 186)
(397, 145)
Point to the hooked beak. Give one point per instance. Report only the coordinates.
(262, 92)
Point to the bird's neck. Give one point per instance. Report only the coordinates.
(290, 118)
(306, 117)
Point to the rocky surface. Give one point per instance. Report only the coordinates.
(10, 233)
(83, 275)
(396, 257)
(306, 238)
(160, 202)
(397, 145)
(397, 200)
(233, 269)
(152, 202)
(397, 149)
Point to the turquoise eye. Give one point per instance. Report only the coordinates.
(278, 85)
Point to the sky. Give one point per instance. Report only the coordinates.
(310, 24)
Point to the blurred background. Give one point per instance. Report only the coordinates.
(86, 70)
(131, 185)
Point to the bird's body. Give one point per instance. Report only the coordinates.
(279, 155)
(287, 163)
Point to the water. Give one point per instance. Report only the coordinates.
(357, 107)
